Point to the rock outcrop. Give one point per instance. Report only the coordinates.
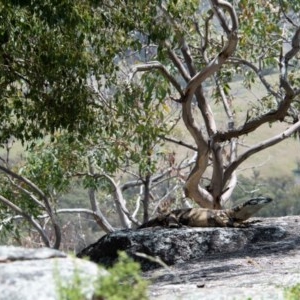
(255, 263)
(27, 274)
(262, 270)
(203, 263)
(174, 246)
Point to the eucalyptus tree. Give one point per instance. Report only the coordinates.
(59, 68)
(215, 42)
(49, 50)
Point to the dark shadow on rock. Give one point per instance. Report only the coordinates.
(175, 246)
(105, 250)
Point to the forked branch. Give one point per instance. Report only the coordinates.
(258, 147)
(156, 65)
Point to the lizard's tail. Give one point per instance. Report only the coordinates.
(158, 221)
(249, 208)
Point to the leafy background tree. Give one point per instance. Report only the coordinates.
(127, 109)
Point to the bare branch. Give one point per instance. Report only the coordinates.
(258, 147)
(156, 65)
(72, 211)
(204, 38)
(216, 5)
(28, 193)
(27, 217)
(23, 179)
(271, 116)
(283, 106)
(257, 71)
(188, 58)
(98, 215)
(285, 60)
(295, 47)
(181, 143)
(130, 184)
(163, 180)
(98, 218)
(124, 214)
(147, 181)
(230, 188)
(285, 15)
(220, 59)
(138, 202)
(177, 62)
(184, 50)
(163, 198)
(139, 182)
(45, 199)
(192, 188)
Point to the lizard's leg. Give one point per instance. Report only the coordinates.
(172, 222)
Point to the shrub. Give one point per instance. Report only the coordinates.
(292, 293)
(124, 282)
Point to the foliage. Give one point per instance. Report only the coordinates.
(123, 282)
(51, 164)
(41, 74)
(292, 293)
(50, 53)
(73, 290)
(133, 125)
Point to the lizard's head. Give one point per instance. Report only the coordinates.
(250, 207)
(259, 201)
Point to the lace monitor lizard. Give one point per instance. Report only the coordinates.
(202, 217)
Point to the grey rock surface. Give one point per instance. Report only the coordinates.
(28, 274)
(203, 263)
(255, 263)
(260, 271)
(175, 246)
